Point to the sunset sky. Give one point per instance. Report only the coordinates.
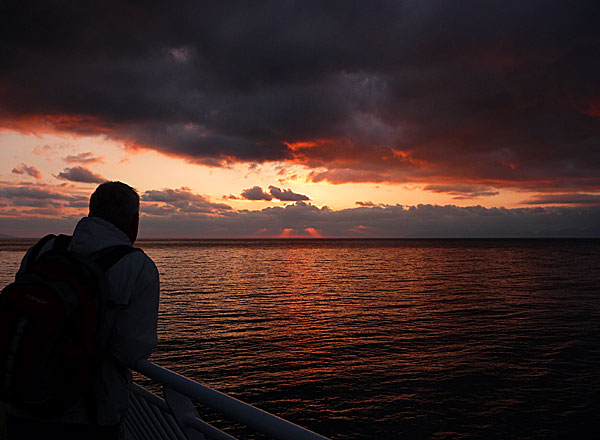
(304, 118)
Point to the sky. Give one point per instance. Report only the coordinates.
(416, 118)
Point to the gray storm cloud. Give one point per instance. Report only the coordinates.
(256, 193)
(80, 174)
(496, 93)
(285, 195)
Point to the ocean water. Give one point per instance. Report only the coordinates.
(387, 339)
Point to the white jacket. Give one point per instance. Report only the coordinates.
(131, 319)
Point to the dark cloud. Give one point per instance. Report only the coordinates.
(42, 210)
(172, 196)
(20, 192)
(40, 199)
(81, 203)
(83, 158)
(30, 171)
(286, 195)
(256, 193)
(365, 204)
(494, 93)
(80, 174)
(182, 200)
(36, 203)
(565, 199)
(462, 192)
(157, 210)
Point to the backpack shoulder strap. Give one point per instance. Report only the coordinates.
(106, 258)
(61, 243)
(37, 248)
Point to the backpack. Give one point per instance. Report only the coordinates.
(49, 327)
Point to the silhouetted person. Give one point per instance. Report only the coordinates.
(128, 324)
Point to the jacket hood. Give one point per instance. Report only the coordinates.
(94, 233)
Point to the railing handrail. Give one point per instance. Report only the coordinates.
(233, 408)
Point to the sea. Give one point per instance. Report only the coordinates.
(386, 339)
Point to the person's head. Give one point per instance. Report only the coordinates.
(119, 204)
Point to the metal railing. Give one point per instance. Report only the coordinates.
(174, 417)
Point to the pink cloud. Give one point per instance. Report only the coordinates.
(29, 170)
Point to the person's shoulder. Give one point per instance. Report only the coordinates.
(138, 259)
(47, 243)
(42, 246)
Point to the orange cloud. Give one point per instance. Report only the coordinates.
(55, 123)
(83, 158)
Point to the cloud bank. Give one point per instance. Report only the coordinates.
(35, 210)
(565, 199)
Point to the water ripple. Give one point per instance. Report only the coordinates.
(389, 339)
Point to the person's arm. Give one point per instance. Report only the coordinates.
(133, 336)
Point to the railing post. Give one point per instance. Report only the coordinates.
(183, 410)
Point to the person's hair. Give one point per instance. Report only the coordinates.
(115, 202)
